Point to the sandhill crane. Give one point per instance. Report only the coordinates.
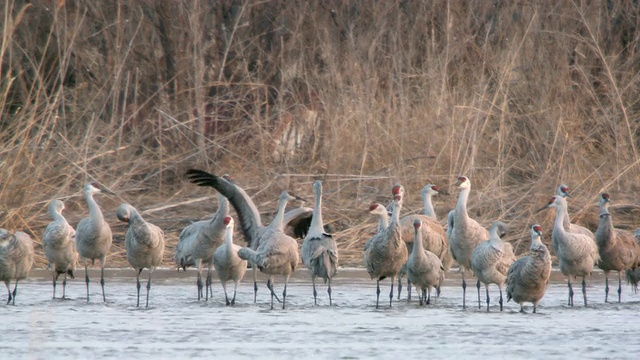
(229, 266)
(248, 214)
(528, 277)
(424, 268)
(93, 235)
(16, 259)
(319, 249)
(618, 248)
(198, 241)
(466, 234)
(58, 243)
(386, 252)
(277, 252)
(563, 191)
(577, 253)
(490, 260)
(433, 236)
(633, 275)
(144, 243)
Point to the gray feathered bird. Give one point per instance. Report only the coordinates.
(528, 276)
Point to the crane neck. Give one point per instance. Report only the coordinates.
(494, 239)
(383, 221)
(461, 206)
(278, 220)
(428, 206)
(94, 210)
(604, 208)
(561, 217)
(135, 217)
(57, 216)
(223, 209)
(418, 245)
(536, 242)
(228, 238)
(395, 215)
(316, 220)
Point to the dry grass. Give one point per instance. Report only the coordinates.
(519, 96)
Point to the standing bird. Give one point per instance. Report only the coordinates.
(277, 252)
(385, 253)
(248, 214)
(319, 249)
(59, 246)
(577, 253)
(16, 259)
(198, 242)
(229, 266)
(433, 235)
(618, 248)
(144, 243)
(466, 234)
(563, 191)
(424, 268)
(93, 235)
(491, 259)
(528, 277)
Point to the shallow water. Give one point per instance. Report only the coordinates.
(177, 326)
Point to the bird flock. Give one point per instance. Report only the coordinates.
(414, 246)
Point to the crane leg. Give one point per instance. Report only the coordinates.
(199, 283)
(226, 298)
(478, 286)
(315, 293)
(138, 287)
(64, 286)
(408, 290)
(207, 285)
(486, 286)
(86, 279)
(428, 296)
(393, 278)
(284, 292)
(148, 287)
(7, 283)
(399, 287)
(15, 291)
(55, 279)
(606, 286)
(464, 292)
(270, 286)
(329, 291)
(421, 297)
(104, 298)
(255, 283)
(500, 301)
(235, 289)
(377, 293)
(522, 308)
(619, 288)
(570, 291)
(584, 290)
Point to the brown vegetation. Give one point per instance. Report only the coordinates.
(517, 95)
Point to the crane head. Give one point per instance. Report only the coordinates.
(228, 221)
(463, 182)
(537, 229)
(563, 190)
(398, 192)
(417, 223)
